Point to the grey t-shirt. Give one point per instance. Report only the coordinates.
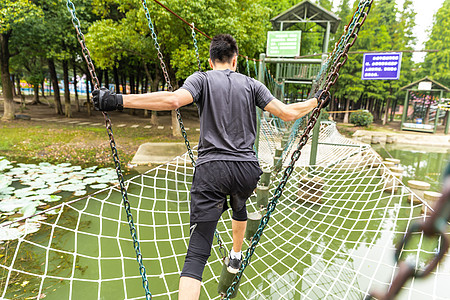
(227, 107)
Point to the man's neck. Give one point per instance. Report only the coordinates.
(221, 67)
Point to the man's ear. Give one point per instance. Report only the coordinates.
(234, 62)
(211, 63)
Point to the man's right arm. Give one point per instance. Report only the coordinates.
(290, 112)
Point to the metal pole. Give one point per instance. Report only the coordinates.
(315, 137)
(326, 39)
(315, 143)
(405, 109)
(437, 112)
(259, 113)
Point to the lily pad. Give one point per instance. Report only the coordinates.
(6, 192)
(47, 191)
(62, 165)
(5, 164)
(99, 186)
(90, 180)
(29, 227)
(12, 204)
(29, 209)
(25, 192)
(107, 179)
(5, 181)
(72, 187)
(45, 164)
(7, 234)
(80, 193)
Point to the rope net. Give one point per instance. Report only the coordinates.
(332, 235)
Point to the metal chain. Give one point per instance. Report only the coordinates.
(126, 203)
(167, 78)
(256, 68)
(197, 55)
(361, 15)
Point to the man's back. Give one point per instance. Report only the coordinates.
(227, 106)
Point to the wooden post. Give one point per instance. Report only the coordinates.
(265, 177)
(225, 281)
(277, 161)
(419, 188)
(253, 220)
(262, 196)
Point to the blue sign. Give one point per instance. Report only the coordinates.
(381, 66)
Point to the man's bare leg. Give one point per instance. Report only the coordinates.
(189, 288)
(238, 234)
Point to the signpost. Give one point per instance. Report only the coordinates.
(283, 43)
(381, 66)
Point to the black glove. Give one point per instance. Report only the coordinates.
(104, 100)
(326, 97)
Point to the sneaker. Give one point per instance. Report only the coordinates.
(233, 265)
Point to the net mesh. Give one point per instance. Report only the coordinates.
(332, 235)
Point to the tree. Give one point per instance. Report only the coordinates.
(437, 64)
(125, 37)
(12, 15)
(385, 29)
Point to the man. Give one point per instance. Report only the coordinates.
(227, 164)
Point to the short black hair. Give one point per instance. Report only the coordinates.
(223, 48)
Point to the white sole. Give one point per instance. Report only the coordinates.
(232, 270)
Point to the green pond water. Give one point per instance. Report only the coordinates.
(422, 163)
(329, 251)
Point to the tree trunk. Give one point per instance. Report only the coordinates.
(8, 98)
(347, 106)
(132, 86)
(88, 101)
(386, 111)
(116, 79)
(36, 94)
(394, 106)
(67, 107)
(154, 87)
(13, 82)
(123, 82)
(43, 88)
(54, 79)
(75, 87)
(19, 90)
(106, 79)
(100, 77)
(175, 125)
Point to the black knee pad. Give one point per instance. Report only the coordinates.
(199, 250)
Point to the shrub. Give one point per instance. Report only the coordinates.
(361, 118)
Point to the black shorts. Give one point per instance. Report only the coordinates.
(214, 181)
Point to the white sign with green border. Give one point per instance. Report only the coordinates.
(283, 43)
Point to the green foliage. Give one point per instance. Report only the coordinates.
(437, 64)
(361, 118)
(14, 13)
(124, 34)
(386, 29)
